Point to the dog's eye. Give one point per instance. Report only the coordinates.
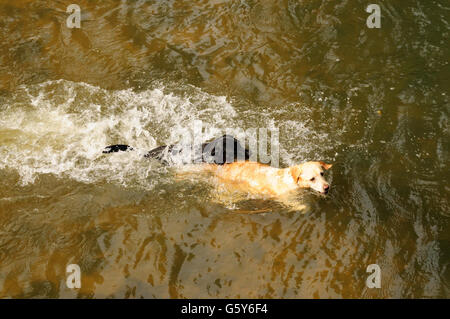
(312, 179)
(321, 174)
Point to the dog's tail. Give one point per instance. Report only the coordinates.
(117, 148)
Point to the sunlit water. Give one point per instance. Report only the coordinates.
(375, 102)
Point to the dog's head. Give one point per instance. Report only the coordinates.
(310, 174)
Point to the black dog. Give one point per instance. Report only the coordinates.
(225, 149)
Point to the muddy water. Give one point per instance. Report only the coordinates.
(375, 102)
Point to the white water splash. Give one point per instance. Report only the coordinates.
(61, 127)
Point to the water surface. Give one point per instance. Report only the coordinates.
(375, 102)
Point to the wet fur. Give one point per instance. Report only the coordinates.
(246, 176)
(279, 184)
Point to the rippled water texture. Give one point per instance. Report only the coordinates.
(375, 102)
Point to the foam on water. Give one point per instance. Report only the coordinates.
(61, 127)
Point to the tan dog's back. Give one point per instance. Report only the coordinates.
(255, 177)
(280, 184)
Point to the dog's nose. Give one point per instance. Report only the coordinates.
(326, 188)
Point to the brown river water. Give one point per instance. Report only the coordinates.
(374, 102)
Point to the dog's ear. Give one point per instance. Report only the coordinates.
(296, 172)
(325, 165)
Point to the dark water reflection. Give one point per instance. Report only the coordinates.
(373, 101)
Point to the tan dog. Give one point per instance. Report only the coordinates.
(280, 184)
(244, 176)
